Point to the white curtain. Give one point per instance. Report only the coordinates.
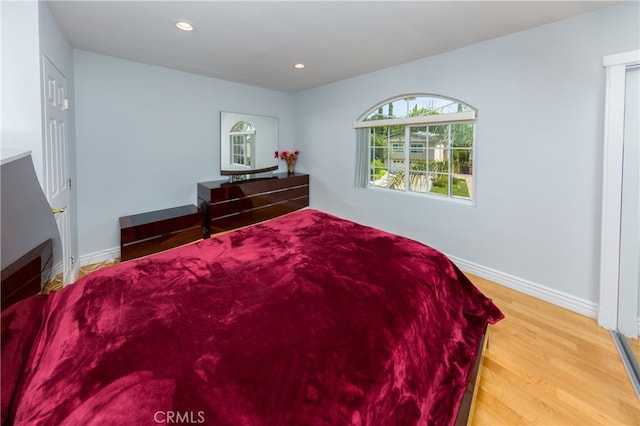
(362, 158)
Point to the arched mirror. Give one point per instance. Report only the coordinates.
(242, 140)
(247, 143)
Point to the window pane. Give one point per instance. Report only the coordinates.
(417, 106)
(418, 134)
(396, 181)
(396, 165)
(441, 105)
(378, 176)
(396, 133)
(397, 147)
(379, 136)
(439, 183)
(396, 150)
(438, 160)
(462, 134)
(439, 135)
(418, 144)
(462, 161)
(418, 181)
(417, 165)
(380, 154)
(418, 150)
(462, 185)
(395, 109)
(418, 158)
(397, 157)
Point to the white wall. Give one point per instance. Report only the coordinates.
(540, 97)
(146, 135)
(28, 31)
(21, 112)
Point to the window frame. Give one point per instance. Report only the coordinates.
(468, 115)
(239, 137)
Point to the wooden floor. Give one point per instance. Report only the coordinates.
(57, 284)
(548, 366)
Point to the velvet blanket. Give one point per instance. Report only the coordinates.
(307, 319)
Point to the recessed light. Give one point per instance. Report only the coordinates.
(184, 26)
(299, 66)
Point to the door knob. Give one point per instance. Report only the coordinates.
(57, 211)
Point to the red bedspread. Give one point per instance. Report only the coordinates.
(305, 320)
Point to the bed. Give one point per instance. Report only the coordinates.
(307, 319)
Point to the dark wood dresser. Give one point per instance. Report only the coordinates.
(151, 232)
(230, 205)
(25, 277)
(28, 230)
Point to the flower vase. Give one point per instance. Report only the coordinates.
(291, 167)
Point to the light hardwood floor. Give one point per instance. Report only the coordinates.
(56, 283)
(545, 365)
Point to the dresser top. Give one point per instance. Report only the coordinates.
(156, 216)
(227, 182)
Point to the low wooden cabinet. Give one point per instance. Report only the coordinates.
(25, 276)
(229, 205)
(151, 232)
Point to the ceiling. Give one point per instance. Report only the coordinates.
(258, 42)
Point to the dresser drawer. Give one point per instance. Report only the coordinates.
(228, 206)
(151, 232)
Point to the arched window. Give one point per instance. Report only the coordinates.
(242, 138)
(417, 143)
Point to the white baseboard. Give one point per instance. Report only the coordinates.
(556, 297)
(108, 255)
(58, 269)
(55, 270)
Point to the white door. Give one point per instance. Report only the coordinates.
(58, 183)
(617, 66)
(629, 286)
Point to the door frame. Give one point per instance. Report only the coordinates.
(67, 265)
(616, 68)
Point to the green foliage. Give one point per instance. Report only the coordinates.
(461, 163)
(459, 186)
(462, 135)
(377, 168)
(441, 181)
(418, 166)
(396, 181)
(439, 166)
(461, 156)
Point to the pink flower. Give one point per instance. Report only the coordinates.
(288, 155)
